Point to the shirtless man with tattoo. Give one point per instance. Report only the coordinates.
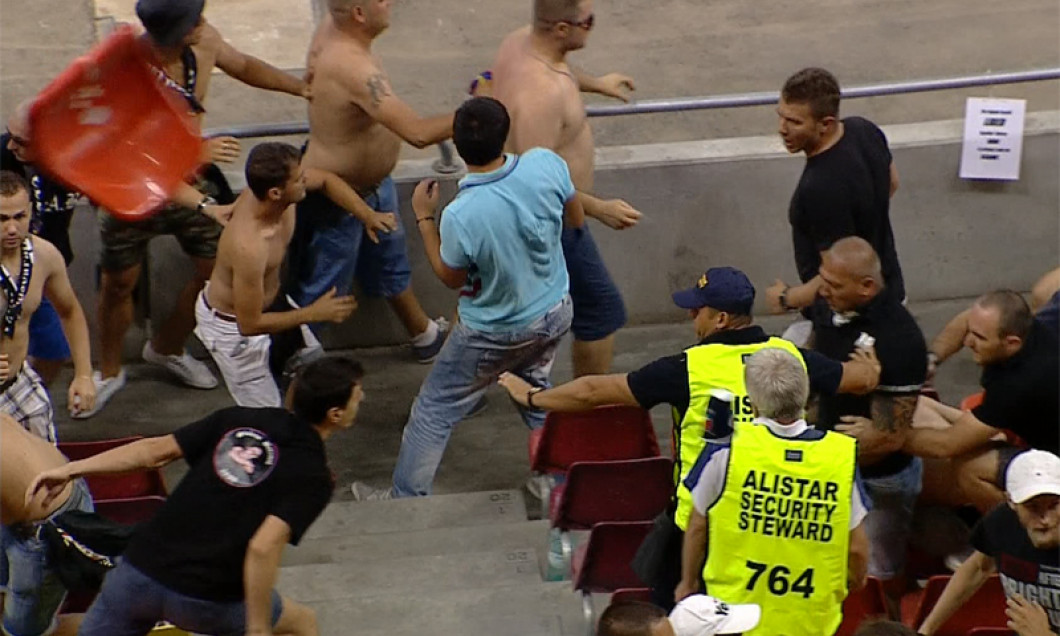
(240, 310)
(532, 78)
(30, 592)
(31, 268)
(356, 126)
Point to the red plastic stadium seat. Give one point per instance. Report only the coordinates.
(641, 594)
(972, 401)
(139, 484)
(630, 490)
(107, 128)
(861, 605)
(986, 608)
(130, 511)
(601, 564)
(607, 433)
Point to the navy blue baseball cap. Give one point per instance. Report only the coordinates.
(169, 21)
(721, 288)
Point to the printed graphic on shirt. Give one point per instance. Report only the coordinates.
(244, 457)
(789, 507)
(1037, 583)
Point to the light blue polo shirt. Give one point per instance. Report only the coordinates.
(504, 227)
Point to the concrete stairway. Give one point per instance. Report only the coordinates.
(448, 565)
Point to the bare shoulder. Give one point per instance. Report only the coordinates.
(211, 40)
(46, 255)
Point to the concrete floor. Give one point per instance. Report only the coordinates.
(487, 452)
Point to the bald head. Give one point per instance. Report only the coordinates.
(18, 125)
(855, 256)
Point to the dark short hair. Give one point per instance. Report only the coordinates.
(480, 130)
(883, 628)
(816, 87)
(11, 183)
(269, 166)
(1014, 314)
(552, 11)
(629, 618)
(325, 384)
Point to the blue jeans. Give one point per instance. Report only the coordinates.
(33, 590)
(889, 523)
(469, 362)
(329, 248)
(131, 602)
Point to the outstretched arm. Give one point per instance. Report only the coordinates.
(373, 93)
(587, 392)
(253, 71)
(335, 188)
(966, 580)
(611, 85)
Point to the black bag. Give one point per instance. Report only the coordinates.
(83, 547)
(652, 561)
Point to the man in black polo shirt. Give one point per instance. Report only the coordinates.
(258, 478)
(1020, 357)
(720, 305)
(855, 301)
(845, 188)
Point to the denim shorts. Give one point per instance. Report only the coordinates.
(889, 523)
(329, 249)
(598, 307)
(131, 602)
(46, 338)
(33, 592)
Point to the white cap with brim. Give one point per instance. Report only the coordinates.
(1032, 473)
(700, 615)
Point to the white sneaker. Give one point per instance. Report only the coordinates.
(190, 371)
(105, 390)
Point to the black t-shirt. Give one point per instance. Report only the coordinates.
(245, 464)
(665, 381)
(1022, 393)
(900, 348)
(1024, 569)
(846, 191)
(53, 204)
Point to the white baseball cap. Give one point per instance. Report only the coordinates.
(1032, 473)
(701, 615)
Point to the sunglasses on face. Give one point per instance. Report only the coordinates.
(586, 24)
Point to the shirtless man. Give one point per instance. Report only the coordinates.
(33, 267)
(541, 91)
(30, 592)
(185, 49)
(232, 316)
(356, 125)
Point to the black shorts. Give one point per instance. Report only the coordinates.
(598, 307)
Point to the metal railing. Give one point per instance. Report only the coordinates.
(447, 162)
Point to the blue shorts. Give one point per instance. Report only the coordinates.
(598, 307)
(33, 591)
(46, 338)
(130, 603)
(329, 248)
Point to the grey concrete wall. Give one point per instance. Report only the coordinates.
(725, 202)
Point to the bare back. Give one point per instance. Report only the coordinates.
(249, 242)
(529, 86)
(47, 260)
(343, 138)
(23, 456)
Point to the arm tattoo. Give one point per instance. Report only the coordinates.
(378, 88)
(893, 413)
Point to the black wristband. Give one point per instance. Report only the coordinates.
(784, 300)
(530, 396)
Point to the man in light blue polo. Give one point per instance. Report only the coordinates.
(500, 246)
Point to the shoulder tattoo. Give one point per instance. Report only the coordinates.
(893, 413)
(378, 88)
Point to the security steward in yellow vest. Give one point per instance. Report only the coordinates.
(779, 512)
(720, 305)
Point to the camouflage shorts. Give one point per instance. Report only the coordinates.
(125, 242)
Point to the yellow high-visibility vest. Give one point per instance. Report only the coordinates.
(779, 535)
(712, 366)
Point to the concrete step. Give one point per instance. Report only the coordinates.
(412, 577)
(461, 510)
(432, 542)
(542, 609)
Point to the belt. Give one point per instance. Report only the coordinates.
(221, 315)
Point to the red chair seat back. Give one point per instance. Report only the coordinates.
(138, 484)
(630, 490)
(866, 603)
(601, 565)
(607, 433)
(986, 608)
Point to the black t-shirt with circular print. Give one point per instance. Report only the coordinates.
(245, 465)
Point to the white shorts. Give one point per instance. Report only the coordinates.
(243, 360)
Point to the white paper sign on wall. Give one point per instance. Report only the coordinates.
(993, 138)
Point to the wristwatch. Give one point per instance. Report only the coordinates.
(784, 300)
(206, 200)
